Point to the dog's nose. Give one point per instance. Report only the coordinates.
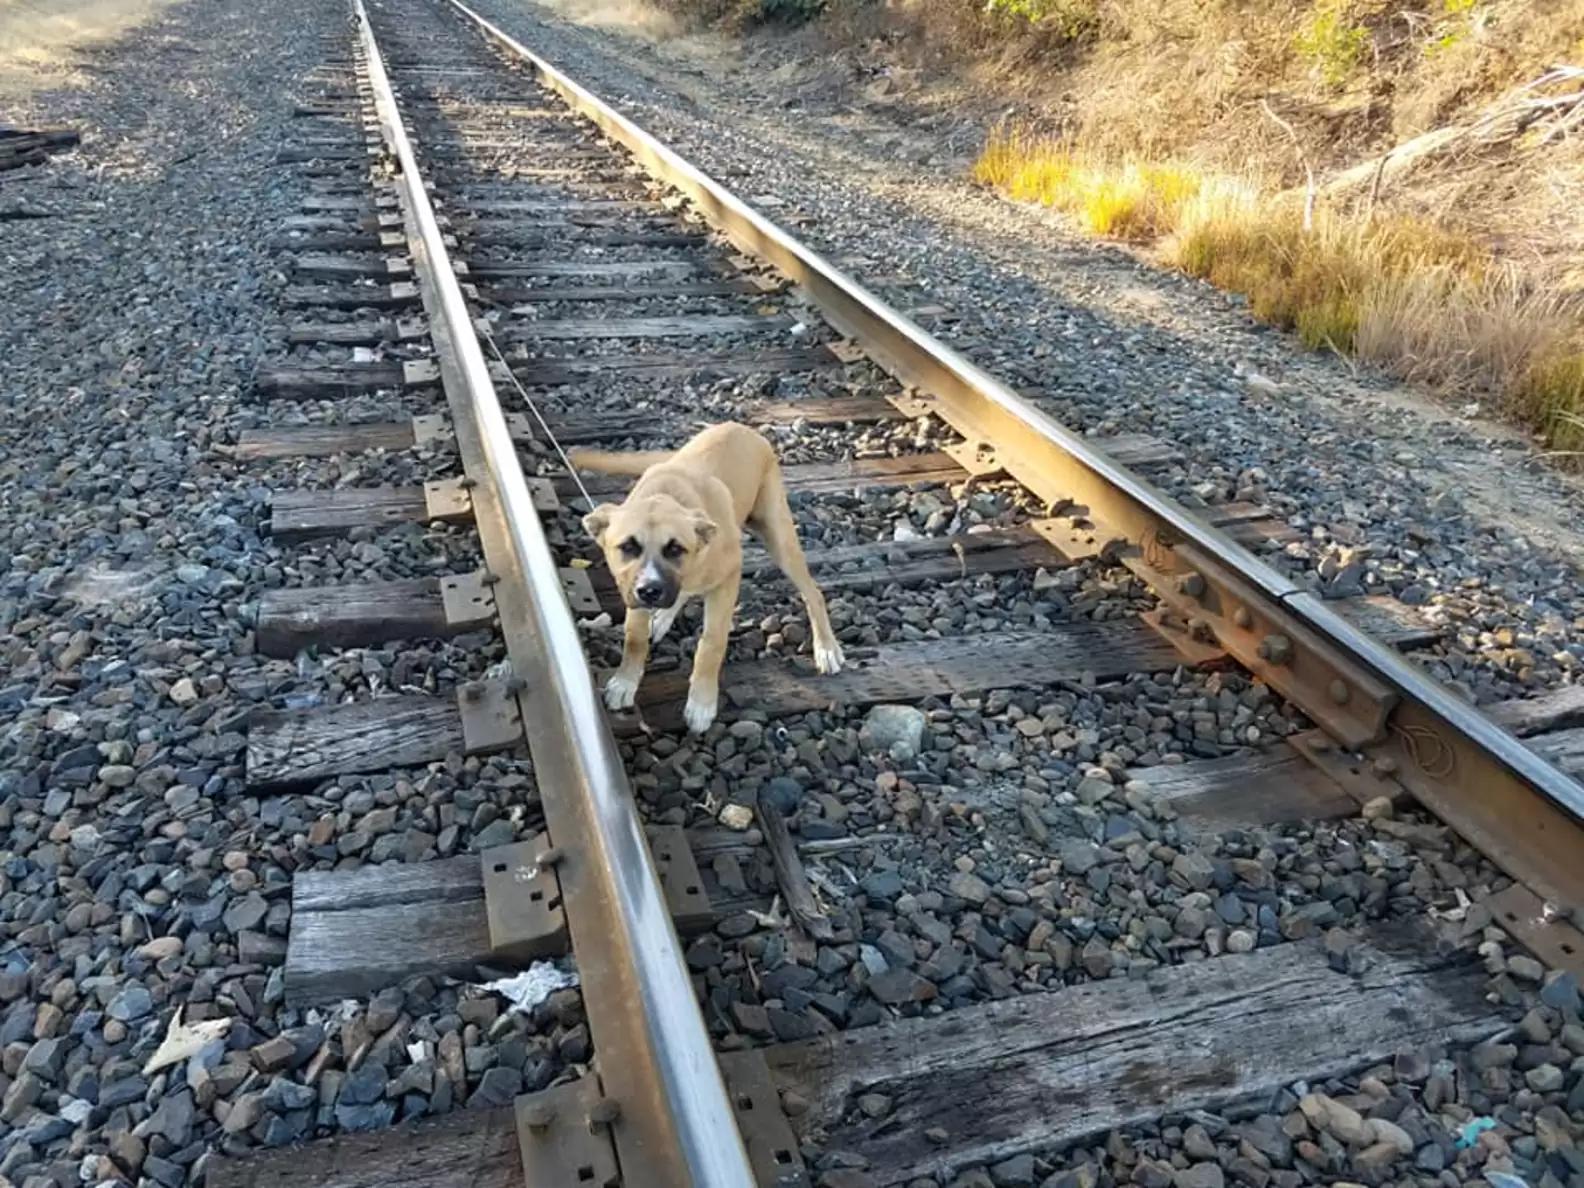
(651, 593)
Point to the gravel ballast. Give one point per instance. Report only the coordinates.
(976, 846)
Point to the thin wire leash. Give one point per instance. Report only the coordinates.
(489, 338)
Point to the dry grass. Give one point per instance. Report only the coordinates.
(1428, 303)
(1116, 198)
(38, 38)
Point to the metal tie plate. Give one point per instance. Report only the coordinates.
(522, 902)
(561, 1140)
(491, 716)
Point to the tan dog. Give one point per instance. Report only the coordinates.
(678, 535)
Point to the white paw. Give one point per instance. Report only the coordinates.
(621, 691)
(660, 621)
(828, 658)
(700, 712)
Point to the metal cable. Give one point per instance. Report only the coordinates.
(483, 329)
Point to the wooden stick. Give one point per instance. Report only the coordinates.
(789, 870)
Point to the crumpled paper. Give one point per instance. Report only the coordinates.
(532, 986)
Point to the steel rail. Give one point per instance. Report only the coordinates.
(675, 1124)
(1524, 813)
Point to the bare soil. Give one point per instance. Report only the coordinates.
(42, 42)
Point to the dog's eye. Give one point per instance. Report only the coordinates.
(672, 550)
(631, 548)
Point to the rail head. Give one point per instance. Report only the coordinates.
(654, 1054)
(1057, 463)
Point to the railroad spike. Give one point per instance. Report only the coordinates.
(603, 1113)
(538, 1115)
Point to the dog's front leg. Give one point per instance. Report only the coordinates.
(621, 689)
(704, 685)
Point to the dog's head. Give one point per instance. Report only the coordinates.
(651, 544)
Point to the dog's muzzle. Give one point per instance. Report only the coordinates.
(655, 589)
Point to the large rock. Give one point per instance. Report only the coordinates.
(886, 725)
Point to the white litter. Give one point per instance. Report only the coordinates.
(535, 984)
(184, 1040)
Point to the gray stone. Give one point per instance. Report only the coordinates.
(132, 1004)
(497, 1087)
(969, 887)
(887, 725)
(1200, 1175)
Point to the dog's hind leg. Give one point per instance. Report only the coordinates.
(771, 519)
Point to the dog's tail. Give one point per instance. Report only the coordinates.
(617, 462)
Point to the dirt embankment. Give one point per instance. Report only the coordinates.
(41, 41)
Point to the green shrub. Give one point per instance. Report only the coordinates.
(1330, 44)
(1070, 20)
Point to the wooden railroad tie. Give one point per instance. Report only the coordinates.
(984, 1083)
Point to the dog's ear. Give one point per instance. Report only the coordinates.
(704, 528)
(598, 520)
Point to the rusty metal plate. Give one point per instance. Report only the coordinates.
(579, 590)
(558, 1145)
(978, 458)
(1361, 778)
(420, 371)
(491, 716)
(1539, 927)
(772, 1147)
(543, 492)
(1350, 703)
(520, 428)
(447, 499)
(1078, 539)
(847, 351)
(469, 600)
(911, 403)
(679, 877)
(1194, 649)
(522, 902)
(431, 430)
(410, 328)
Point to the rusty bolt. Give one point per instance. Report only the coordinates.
(1242, 617)
(1276, 648)
(603, 1112)
(537, 1115)
(1191, 584)
(1200, 630)
(1340, 693)
(549, 856)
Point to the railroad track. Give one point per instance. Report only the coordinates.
(492, 263)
